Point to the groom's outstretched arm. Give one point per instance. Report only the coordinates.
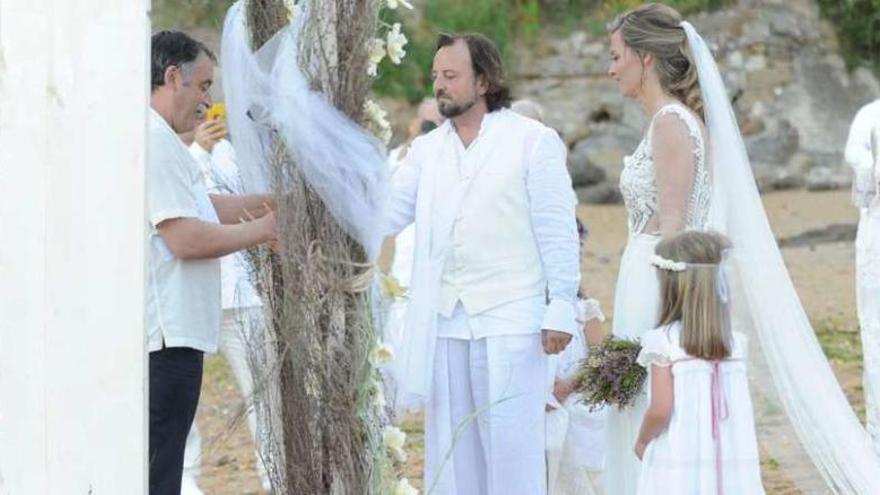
(401, 208)
(552, 204)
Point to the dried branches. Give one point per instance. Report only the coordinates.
(320, 326)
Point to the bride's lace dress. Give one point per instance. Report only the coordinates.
(664, 200)
(639, 181)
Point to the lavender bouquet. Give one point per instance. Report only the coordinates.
(610, 374)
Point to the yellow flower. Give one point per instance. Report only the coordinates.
(381, 354)
(291, 9)
(217, 111)
(392, 288)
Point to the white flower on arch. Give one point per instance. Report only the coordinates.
(395, 42)
(377, 54)
(392, 4)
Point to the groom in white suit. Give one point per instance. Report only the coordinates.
(495, 277)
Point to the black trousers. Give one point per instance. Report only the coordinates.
(175, 383)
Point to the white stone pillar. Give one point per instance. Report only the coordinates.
(74, 95)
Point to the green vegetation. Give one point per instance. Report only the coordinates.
(841, 344)
(502, 21)
(770, 464)
(188, 14)
(512, 24)
(858, 26)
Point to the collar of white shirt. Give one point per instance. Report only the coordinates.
(489, 120)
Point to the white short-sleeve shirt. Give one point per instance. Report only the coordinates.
(182, 296)
(220, 174)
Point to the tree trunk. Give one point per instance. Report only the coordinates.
(320, 317)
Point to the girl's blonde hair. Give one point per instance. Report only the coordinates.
(692, 295)
(655, 29)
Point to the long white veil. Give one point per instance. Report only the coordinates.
(802, 379)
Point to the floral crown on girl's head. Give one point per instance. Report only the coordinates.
(667, 264)
(678, 266)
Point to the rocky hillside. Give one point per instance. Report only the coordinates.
(793, 96)
(781, 61)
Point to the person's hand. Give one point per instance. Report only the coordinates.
(562, 389)
(640, 449)
(209, 132)
(270, 228)
(554, 341)
(266, 224)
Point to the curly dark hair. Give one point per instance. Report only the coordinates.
(486, 61)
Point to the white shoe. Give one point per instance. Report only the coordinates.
(188, 486)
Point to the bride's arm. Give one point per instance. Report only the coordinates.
(674, 168)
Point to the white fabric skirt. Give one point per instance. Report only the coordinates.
(636, 307)
(575, 448)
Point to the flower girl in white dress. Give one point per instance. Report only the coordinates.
(698, 434)
(575, 435)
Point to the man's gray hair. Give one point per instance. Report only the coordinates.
(174, 48)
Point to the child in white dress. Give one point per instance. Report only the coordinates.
(575, 436)
(698, 434)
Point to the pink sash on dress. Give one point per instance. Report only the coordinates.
(719, 411)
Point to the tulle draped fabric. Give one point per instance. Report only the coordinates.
(267, 94)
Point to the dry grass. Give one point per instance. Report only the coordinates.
(324, 434)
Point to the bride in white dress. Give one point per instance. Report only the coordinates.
(666, 187)
(691, 172)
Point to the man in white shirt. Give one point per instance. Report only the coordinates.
(863, 155)
(496, 240)
(243, 324)
(186, 232)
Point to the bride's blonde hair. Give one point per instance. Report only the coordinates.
(691, 295)
(655, 29)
